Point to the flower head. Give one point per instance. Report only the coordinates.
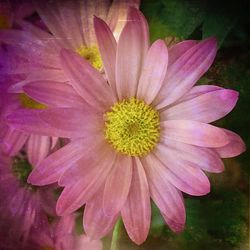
(142, 135)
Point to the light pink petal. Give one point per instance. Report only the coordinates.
(13, 141)
(197, 91)
(54, 94)
(53, 167)
(182, 173)
(107, 46)
(194, 133)
(75, 195)
(63, 20)
(205, 108)
(118, 15)
(175, 226)
(131, 53)
(177, 50)
(37, 148)
(96, 224)
(117, 185)
(153, 72)
(235, 147)
(89, 9)
(204, 158)
(136, 213)
(186, 71)
(87, 81)
(164, 194)
(59, 122)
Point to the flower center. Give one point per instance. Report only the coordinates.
(30, 103)
(21, 169)
(4, 24)
(91, 54)
(132, 127)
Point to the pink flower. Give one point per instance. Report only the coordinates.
(143, 135)
(23, 207)
(61, 235)
(71, 25)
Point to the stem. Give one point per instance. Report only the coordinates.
(116, 234)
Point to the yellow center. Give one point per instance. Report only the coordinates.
(132, 127)
(30, 103)
(4, 24)
(91, 54)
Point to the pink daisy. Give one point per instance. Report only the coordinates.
(71, 25)
(61, 235)
(23, 206)
(144, 134)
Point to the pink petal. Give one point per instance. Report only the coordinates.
(50, 169)
(118, 15)
(186, 71)
(96, 224)
(205, 108)
(194, 133)
(235, 147)
(107, 46)
(182, 173)
(37, 148)
(53, 93)
(204, 158)
(136, 213)
(63, 20)
(87, 81)
(89, 9)
(131, 53)
(197, 91)
(13, 141)
(117, 185)
(153, 72)
(75, 195)
(80, 122)
(164, 194)
(175, 226)
(177, 50)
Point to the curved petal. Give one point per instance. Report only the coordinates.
(37, 148)
(80, 121)
(89, 9)
(54, 94)
(95, 222)
(136, 213)
(204, 158)
(53, 167)
(107, 46)
(63, 20)
(235, 147)
(13, 141)
(205, 108)
(177, 50)
(117, 185)
(185, 72)
(194, 133)
(197, 91)
(153, 72)
(87, 81)
(118, 15)
(174, 226)
(131, 52)
(182, 173)
(75, 195)
(164, 194)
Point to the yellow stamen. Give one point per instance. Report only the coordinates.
(132, 127)
(91, 54)
(30, 103)
(4, 24)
